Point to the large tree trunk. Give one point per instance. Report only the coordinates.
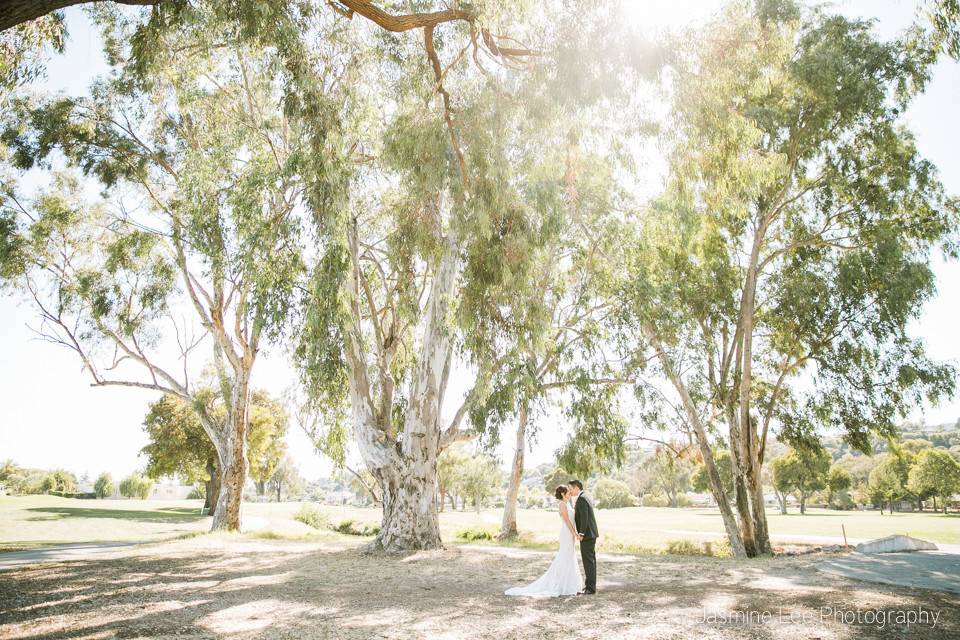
(405, 466)
(212, 486)
(716, 484)
(410, 518)
(761, 532)
(233, 477)
(748, 489)
(508, 527)
(738, 461)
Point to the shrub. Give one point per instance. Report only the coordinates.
(655, 500)
(476, 533)
(684, 548)
(612, 494)
(104, 486)
(716, 549)
(311, 515)
(351, 528)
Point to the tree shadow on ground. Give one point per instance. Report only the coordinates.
(162, 515)
(274, 589)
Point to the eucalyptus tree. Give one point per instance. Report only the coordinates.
(561, 354)
(193, 241)
(433, 251)
(179, 445)
(776, 276)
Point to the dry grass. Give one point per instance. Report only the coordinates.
(241, 587)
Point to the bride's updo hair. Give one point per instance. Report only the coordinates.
(560, 491)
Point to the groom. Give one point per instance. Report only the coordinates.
(587, 534)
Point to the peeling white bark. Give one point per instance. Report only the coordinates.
(406, 467)
(233, 460)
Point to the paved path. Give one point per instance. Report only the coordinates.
(938, 570)
(59, 553)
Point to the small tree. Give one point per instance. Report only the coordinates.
(612, 494)
(136, 485)
(802, 472)
(104, 485)
(838, 481)
(59, 481)
(450, 467)
(672, 476)
(701, 481)
(286, 477)
(885, 483)
(479, 479)
(936, 472)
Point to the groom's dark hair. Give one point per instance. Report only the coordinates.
(577, 484)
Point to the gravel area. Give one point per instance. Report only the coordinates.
(209, 587)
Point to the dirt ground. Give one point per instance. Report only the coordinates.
(243, 588)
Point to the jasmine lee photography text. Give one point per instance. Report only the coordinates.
(879, 618)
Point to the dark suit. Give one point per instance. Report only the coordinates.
(586, 524)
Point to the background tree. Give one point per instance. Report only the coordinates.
(700, 480)
(59, 481)
(554, 353)
(285, 477)
(642, 475)
(796, 230)
(937, 472)
(103, 487)
(480, 478)
(801, 472)
(838, 482)
(672, 476)
(266, 439)
(556, 477)
(450, 467)
(886, 482)
(136, 485)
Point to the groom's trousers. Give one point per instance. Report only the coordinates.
(589, 555)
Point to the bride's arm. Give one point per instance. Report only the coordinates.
(566, 519)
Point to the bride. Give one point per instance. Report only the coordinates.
(563, 576)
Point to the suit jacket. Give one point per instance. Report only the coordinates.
(584, 519)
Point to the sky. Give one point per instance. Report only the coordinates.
(50, 416)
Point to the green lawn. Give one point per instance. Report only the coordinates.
(31, 521)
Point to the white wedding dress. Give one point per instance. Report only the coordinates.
(563, 576)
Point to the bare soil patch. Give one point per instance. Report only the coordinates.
(212, 587)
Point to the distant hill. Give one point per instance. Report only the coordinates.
(941, 436)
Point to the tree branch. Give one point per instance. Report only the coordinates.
(14, 12)
(398, 23)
